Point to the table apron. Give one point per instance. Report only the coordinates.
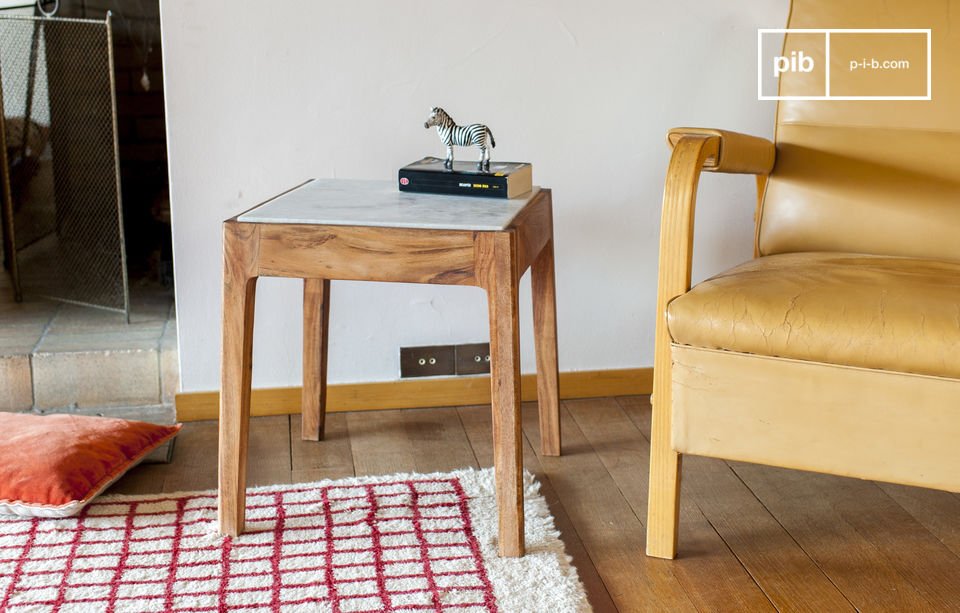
(534, 228)
(367, 254)
(403, 255)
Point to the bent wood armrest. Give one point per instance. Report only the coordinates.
(690, 152)
(737, 153)
(694, 150)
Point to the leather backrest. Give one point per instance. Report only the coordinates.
(877, 177)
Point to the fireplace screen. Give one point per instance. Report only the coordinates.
(63, 220)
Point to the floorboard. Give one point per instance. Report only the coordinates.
(752, 538)
(144, 479)
(804, 504)
(194, 463)
(608, 527)
(937, 511)
(412, 440)
(269, 451)
(711, 575)
(331, 459)
(378, 443)
(439, 439)
(783, 570)
(870, 524)
(917, 555)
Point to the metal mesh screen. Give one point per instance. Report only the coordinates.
(58, 102)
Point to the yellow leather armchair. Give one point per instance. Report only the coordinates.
(837, 349)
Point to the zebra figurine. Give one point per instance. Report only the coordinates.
(463, 136)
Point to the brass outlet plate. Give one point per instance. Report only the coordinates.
(473, 359)
(428, 361)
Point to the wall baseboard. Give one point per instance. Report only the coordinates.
(416, 393)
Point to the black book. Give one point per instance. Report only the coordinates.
(503, 180)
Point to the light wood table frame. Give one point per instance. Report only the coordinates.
(492, 260)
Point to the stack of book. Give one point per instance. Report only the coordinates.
(503, 180)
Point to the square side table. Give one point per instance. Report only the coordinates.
(367, 231)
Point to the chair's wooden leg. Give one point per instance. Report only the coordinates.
(663, 511)
(316, 319)
(545, 335)
(239, 291)
(501, 283)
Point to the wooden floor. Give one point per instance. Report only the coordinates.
(752, 538)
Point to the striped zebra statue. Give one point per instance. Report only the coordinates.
(463, 136)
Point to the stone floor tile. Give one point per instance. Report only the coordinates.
(73, 317)
(134, 336)
(154, 413)
(96, 378)
(19, 340)
(27, 313)
(16, 383)
(169, 364)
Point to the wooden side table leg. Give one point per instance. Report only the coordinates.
(501, 283)
(239, 291)
(545, 335)
(316, 320)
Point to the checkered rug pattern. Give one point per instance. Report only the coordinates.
(394, 544)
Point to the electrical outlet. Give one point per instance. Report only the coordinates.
(431, 361)
(473, 359)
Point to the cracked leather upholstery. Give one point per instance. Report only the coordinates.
(887, 313)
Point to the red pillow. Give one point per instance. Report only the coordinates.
(53, 465)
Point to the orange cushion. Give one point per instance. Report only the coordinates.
(52, 466)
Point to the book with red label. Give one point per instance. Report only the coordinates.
(503, 180)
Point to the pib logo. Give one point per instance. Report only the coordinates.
(796, 62)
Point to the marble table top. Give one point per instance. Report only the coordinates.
(349, 202)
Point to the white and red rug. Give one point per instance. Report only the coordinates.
(398, 543)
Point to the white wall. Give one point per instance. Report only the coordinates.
(262, 95)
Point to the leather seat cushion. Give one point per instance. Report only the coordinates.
(888, 313)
